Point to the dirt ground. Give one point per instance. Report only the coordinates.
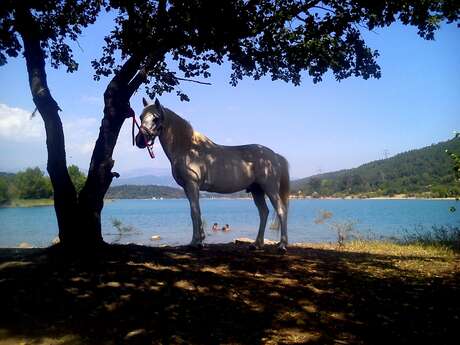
(226, 294)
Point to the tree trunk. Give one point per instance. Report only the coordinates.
(65, 197)
(100, 175)
(79, 219)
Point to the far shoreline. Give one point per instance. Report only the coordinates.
(28, 203)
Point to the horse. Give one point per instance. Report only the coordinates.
(199, 164)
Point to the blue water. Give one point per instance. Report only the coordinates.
(170, 219)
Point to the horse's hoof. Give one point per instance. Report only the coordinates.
(198, 246)
(254, 246)
(282, 249)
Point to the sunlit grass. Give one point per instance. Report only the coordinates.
(30, 202)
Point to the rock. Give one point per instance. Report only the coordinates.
(136, 333)
(113, 284)
(245, 240)
(155, 238)
(24, 245)
(56, 240)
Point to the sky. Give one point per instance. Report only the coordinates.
(317, 127)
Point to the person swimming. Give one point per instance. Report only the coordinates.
(215, 227)
(226, 228)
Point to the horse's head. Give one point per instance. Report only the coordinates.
(151, 123)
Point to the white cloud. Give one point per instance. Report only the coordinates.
(22, 142)
(17, 125)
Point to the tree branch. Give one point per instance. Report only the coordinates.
(194, 81)
(137, 81)
(127, 72)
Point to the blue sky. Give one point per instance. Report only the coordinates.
(322, 127)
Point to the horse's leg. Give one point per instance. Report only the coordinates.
(259, 199)
(281, 211)
(193, 194)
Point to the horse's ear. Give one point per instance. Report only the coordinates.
(160, 108)
(145, 102)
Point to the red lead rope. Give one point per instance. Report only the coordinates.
(149, 146)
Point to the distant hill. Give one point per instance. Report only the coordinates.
(7, 175)
(422, 172)
(165, 192)
(145, 180)
(144, 192)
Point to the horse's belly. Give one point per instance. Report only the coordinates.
(227, 179)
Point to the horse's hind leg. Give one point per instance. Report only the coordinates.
(281, 211)
(193, 194)
(259, 199)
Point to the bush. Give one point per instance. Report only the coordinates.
(438, 236)
(4, 192)
(123, 230)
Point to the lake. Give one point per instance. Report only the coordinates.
(170, 219)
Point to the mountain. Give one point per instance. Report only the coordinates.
(145, 180)
(423, 172)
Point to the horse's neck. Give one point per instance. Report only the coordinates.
(176, 135)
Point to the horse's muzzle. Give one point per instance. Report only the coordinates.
(141, 139)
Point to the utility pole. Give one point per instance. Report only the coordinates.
(386, 153)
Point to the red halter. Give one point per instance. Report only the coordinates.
(149, 146)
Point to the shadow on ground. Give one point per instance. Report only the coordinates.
(222, 294)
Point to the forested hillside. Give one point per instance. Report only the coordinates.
(423, 172)
(143, 192)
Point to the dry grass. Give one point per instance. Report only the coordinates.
(29, 203)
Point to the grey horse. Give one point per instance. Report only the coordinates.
(197, 164)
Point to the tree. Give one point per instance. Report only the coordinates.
(32, 184)
(44, 27)
(77, 177)
(4, 193)
(315, 184)
(281, 39)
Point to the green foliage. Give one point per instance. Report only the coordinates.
(5, 196)
(56, 22)
(77, 176)
(455, 160)
(33, 184)
(424, 172)
(123, 230)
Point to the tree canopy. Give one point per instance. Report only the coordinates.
(280, 39)
(55, 22)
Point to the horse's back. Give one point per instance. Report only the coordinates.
(265, 163)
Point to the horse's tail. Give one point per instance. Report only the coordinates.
(284, 181)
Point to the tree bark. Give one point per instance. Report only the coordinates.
(65, 196)
(100, 175)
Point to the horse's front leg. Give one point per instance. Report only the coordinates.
(192, 192)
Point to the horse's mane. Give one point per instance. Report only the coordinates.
(184, 134)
